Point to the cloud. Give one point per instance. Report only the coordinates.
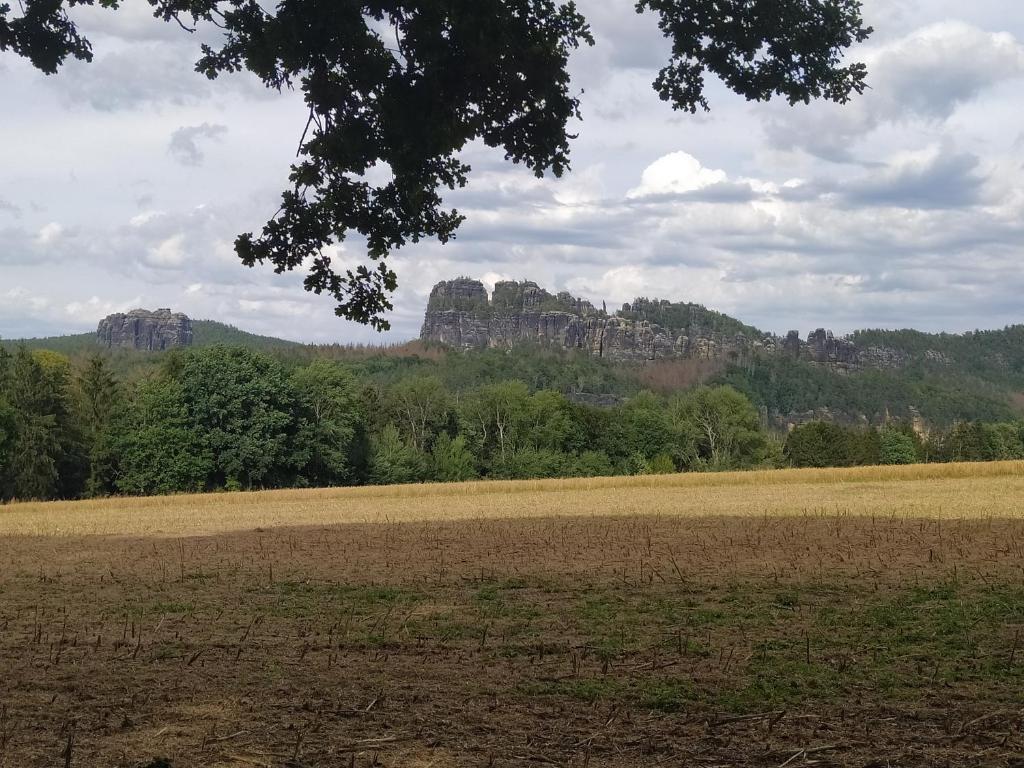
(674, 174)
(923, 76)
(135, 76)
(9, 207)
(938, 67)
(629, 40)
(168, 254)
(138, 75)
(287, 309)
(50, 234)
(935, 177)
(133, 22)
(23, 298)
(184, 144)
(93, 309)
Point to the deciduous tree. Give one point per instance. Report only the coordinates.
(329, 422)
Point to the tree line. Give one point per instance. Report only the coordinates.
(231, 418)
(826, 444)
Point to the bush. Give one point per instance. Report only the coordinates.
(897, 447)
(393, 460)
(592, 464)
(662, 464)
(451, 461)
(528, 463)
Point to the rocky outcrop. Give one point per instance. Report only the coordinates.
(461, 314)
(145, 330)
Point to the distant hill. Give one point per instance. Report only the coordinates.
(71, 345)
(205, 333)
(869, 376)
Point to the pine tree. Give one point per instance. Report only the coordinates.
(99, 393)
(35, 448)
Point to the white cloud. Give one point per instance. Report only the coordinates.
(91, 310)
(168, 254)
(22, 299)
(676, 173)
(145, 217)
(280, 308)
(490, 279)
(50, 233)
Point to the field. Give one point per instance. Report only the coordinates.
(865, 617)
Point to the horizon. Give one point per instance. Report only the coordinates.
(384, 343)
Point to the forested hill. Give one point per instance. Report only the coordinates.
(206, 333)
(945, 377)
(994, 355)
(209, 332)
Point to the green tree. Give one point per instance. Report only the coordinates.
(156, 448)
(637, 464)
(98, 397)
(897, 447)
(451, 460)
(865, 446)
(73, 457)
(964, 442)
(45, 458)
(721, 428)
(493, 419)
(662, 464)
(1002, 441)
(455, 72)
(646, 427)
(329, 424)
(548, 422)
(419, 407)
(393, 460)
(99, 391)
(819, 444)
(7, 421)
(7, 438)
(244, 411)
(592, 464)
(528, 462)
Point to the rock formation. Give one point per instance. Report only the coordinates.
(461, 314)
(145, 330)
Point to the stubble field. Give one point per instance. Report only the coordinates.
(866, 617)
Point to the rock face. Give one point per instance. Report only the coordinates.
(145, 330)
(461, 314)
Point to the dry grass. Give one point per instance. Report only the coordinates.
(931, 491)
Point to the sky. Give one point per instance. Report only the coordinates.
(124, 182)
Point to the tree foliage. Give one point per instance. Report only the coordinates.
(222, 418)
(396, 89)
(329, 423)
(157, 449)
(244, 413)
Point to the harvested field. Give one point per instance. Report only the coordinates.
(842, 617)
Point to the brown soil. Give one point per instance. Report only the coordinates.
(593, 642)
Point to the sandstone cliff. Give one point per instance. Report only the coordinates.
(461, 314)
(145, 330)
